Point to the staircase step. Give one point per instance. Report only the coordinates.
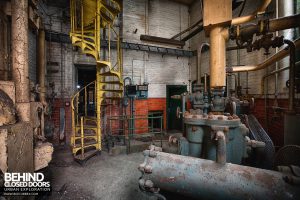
(109, 73)
(119, 2)
(85, 126)
(113, 98)
(111, 9)
(86, 144)
(112, 90)
(86, 155)
(106, 17)
(86, 134)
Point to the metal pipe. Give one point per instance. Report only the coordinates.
(205, 83)
(19, 11)
(272, 25)
(292, 71)
(188, 29)
(284, 23)
(275, 72)
(41, 65)
(276, 57)
(260, 10)
(217, 60)
(206, 179)
(276, 51)
(199, 53)
(268, 75)
(221, 147)
(41, 72)
(235, 81)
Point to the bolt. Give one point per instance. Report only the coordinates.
(235, 117)
(142, 182)
(149, 184)
(142, 167)
(152, 154)
(148, 169)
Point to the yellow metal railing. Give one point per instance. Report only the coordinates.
(88, 19)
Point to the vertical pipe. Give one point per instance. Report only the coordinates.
(217, 58)
(205, 83)
(19, 11)
(276, 51)
(41, 65)
(199, 53)
(291, 74)
(221, 147)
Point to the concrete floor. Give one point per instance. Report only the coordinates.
(103, 177)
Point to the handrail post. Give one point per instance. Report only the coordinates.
(82, 137)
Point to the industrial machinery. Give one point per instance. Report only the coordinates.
(91, 25)
(216, 145)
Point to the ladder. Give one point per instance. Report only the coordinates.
(91, 20)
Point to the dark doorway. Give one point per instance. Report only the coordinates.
(85, 75)
(174, 123)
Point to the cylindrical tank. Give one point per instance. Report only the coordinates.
(200, 139)
(206, 179)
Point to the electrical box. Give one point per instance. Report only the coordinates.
(142, 91)
(138, 91)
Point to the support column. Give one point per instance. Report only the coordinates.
(19, 11)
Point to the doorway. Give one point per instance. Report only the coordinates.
(174, 123)
(85, 75)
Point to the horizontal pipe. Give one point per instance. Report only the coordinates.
(193, 33)
(284, 23)
(188, 29)
(260, 10)
(206, 179)
(273, 73)
(274, 58)
(272, 25)
(270, 74)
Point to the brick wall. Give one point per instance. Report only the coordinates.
(142, 109)
(274, 125)
(55, 117)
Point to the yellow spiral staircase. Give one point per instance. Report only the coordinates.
(91, 21)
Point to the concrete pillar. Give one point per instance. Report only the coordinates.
(19, 12)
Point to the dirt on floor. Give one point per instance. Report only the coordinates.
(103, 177)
